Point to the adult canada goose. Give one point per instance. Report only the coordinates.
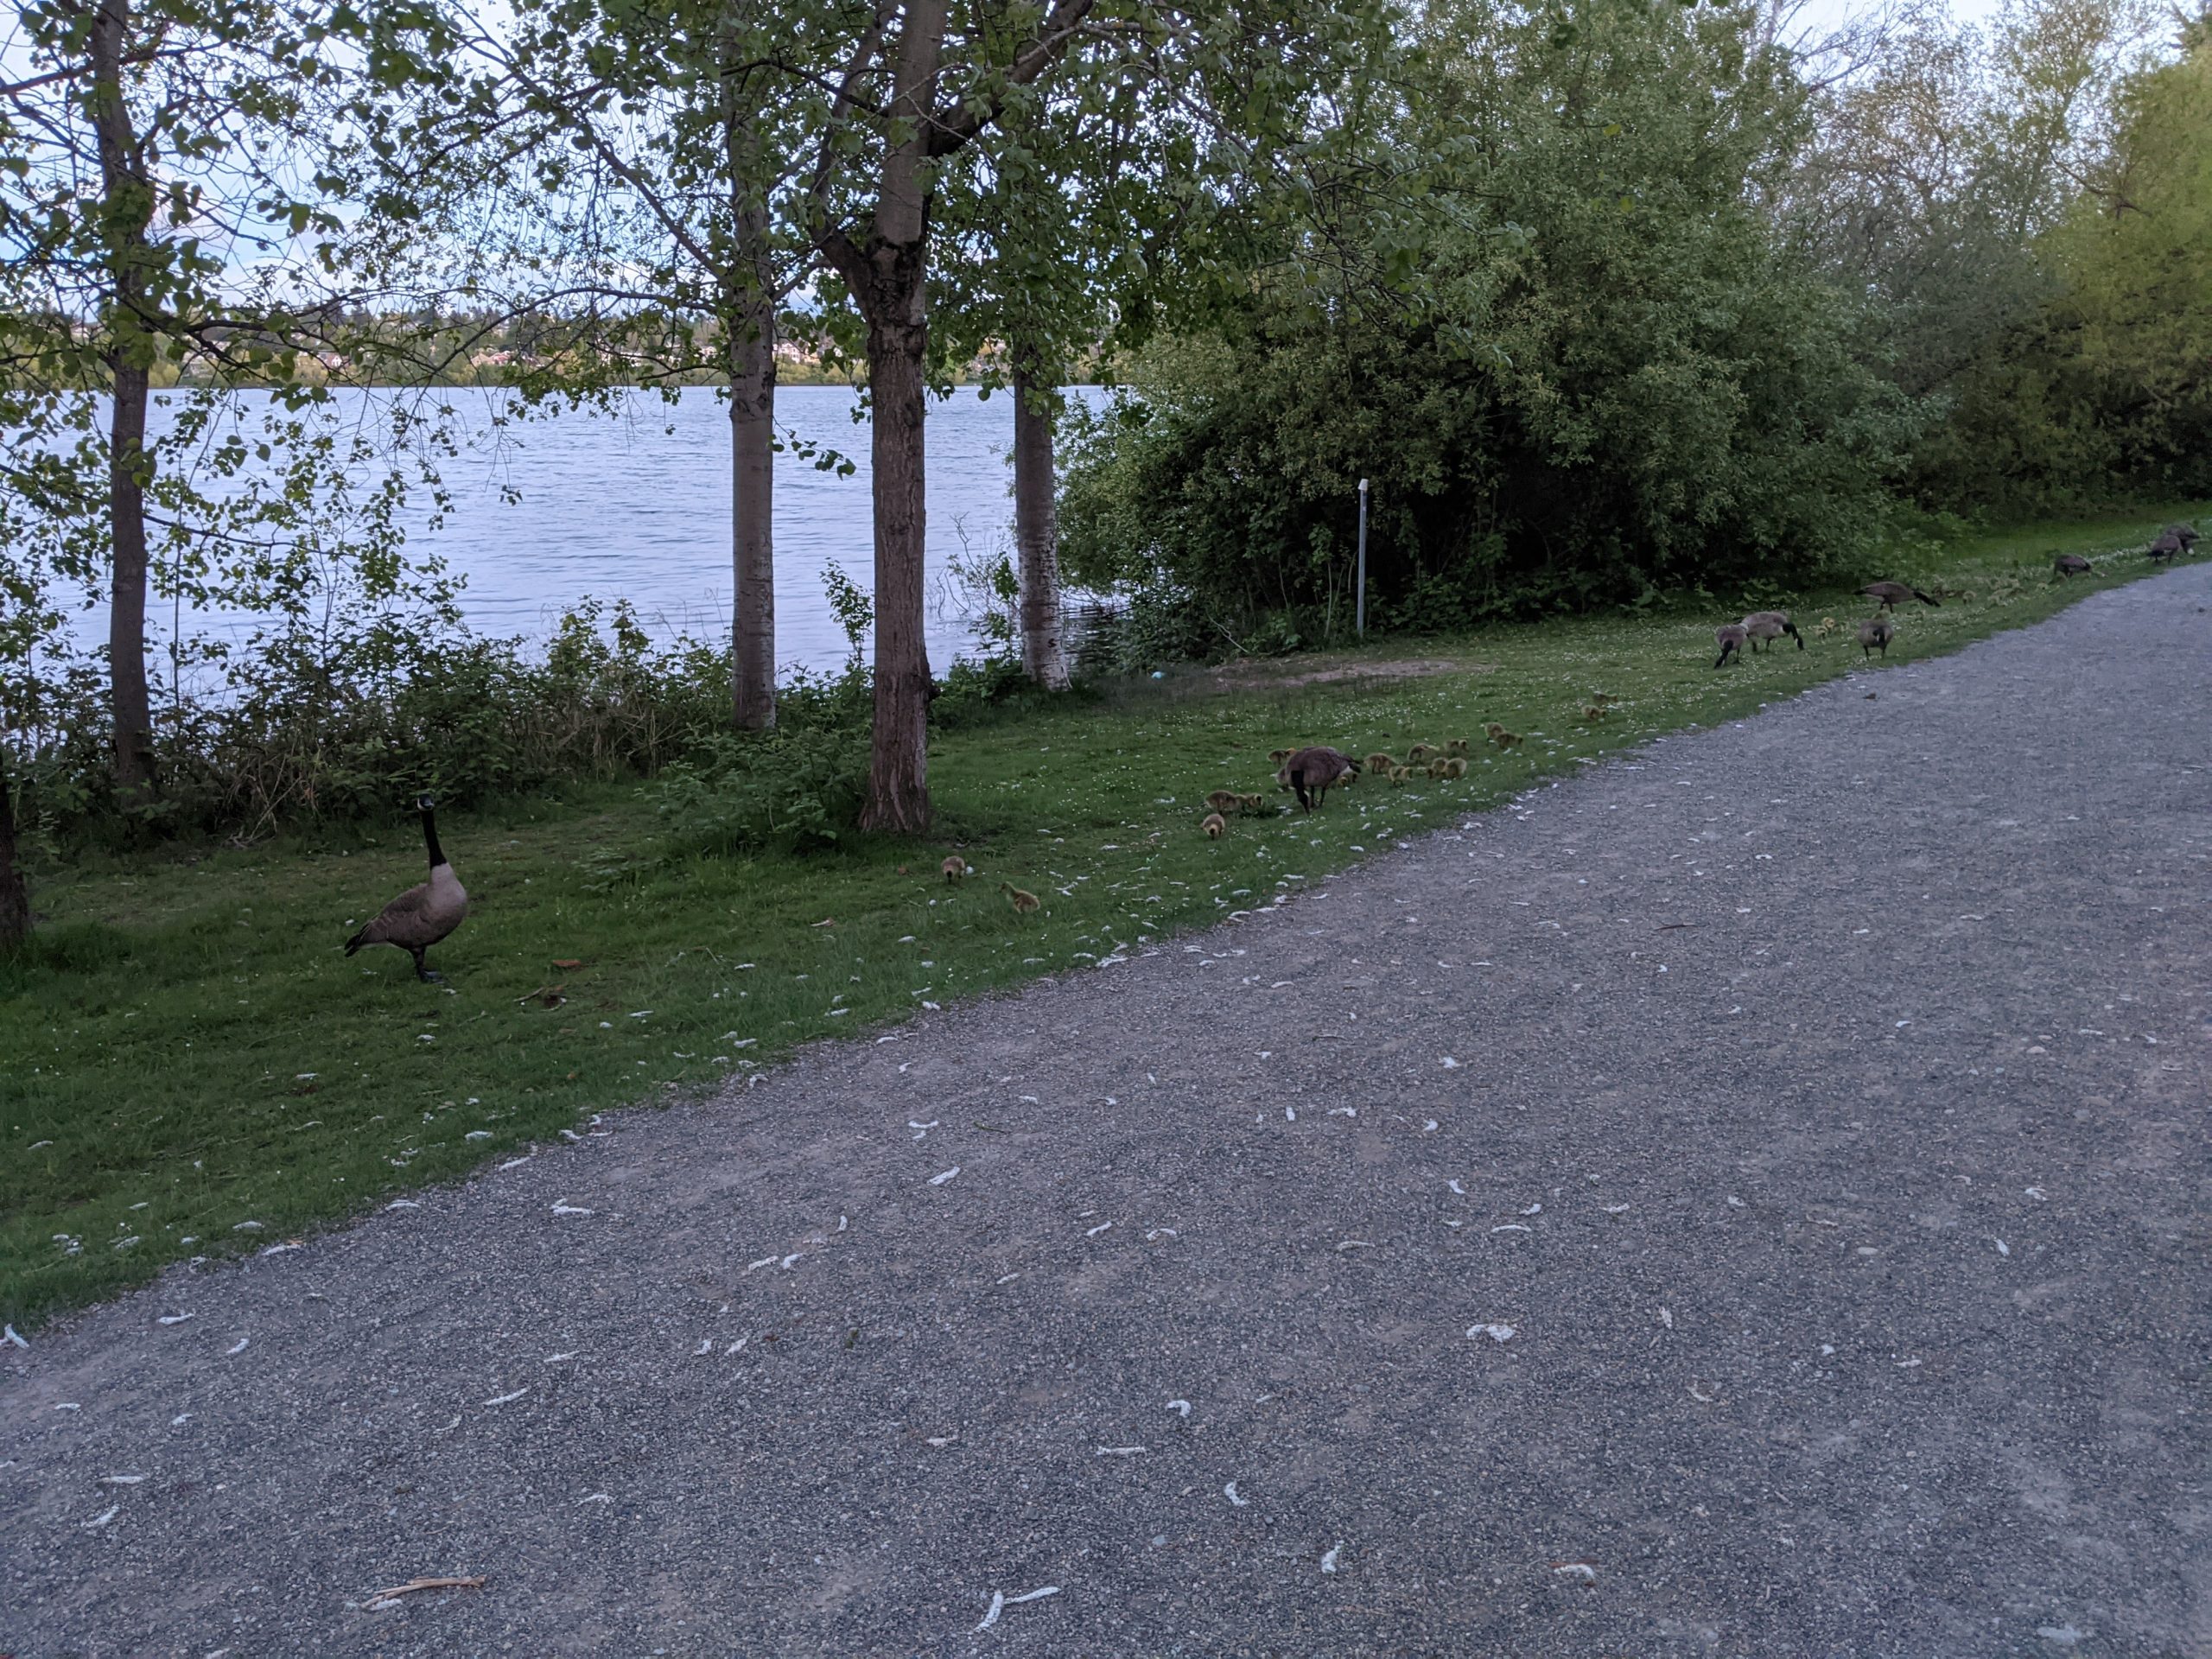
(1876, 633)
(2175, 541)
(1024, 901)
(1310, 771)
(954, 867)
(2073, 564)
(1731, 639)
(1767, 626)
(1896, 592)
(425, 913)
(1215, 825)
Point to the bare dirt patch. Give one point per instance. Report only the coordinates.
(1288, 674)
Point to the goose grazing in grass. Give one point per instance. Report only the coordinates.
(1767, 626)
(1224, 800)
(1457, 745)
(1887, 593)
(2073, 564)
(1506, 739)
(1024, 900)
(1276, 757)
(2175, 541)
(424, 914)
(1732, 640)
(954, 867)
(1215, 825)
(1453, 767)
(1379, 764)
(1420, 753)
(1398, 775)
(1876, 633)
(1310, 771)
(1256, 804)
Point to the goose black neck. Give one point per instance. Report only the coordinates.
(430, 838)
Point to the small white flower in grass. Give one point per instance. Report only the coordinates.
(1495, 1332)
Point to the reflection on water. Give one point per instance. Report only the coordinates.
(637, 508)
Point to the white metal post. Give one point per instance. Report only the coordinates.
(1361, 622)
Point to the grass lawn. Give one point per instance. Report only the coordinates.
(190, 1066)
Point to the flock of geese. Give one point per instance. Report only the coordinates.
(429, 910)
(1763, 627)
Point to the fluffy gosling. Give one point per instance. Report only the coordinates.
(956, 869)
(1024, 900)
(1214, 824)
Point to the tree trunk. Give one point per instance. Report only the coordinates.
(898, 785)
(753, 534)
(887, 276)
(14, 900)
(127, 206)
(1036, 526)
(126, 617)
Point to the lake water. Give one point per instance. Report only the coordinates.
(638, 507)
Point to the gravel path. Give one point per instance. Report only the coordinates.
(1749, 1199)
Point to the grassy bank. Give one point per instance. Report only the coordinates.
(188, 1065)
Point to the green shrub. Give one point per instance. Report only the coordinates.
(795, 789)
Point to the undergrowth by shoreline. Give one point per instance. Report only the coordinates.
(192, 1067)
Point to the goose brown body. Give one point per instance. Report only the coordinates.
(1767, 626)
(1732, 640)
(1875, 633)
(2073, 564)
(426, 912)
(1888, 594)
(1310, 771)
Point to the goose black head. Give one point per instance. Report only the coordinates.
(424, 802)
